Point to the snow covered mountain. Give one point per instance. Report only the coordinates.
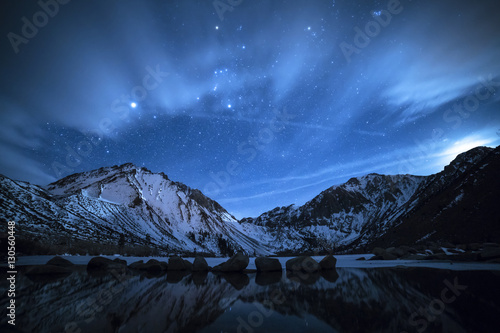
(338, 215)
(394, 210)
(131, 205)
(101, 205)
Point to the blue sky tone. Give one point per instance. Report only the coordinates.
(258, 104)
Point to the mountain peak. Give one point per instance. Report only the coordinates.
(470, 157)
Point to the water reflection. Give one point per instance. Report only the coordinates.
(342, 300)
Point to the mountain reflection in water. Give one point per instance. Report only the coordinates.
(345, 300)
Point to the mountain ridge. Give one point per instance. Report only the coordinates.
(151, 211)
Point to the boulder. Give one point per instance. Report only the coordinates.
(136, 265)
(154, 265)
(120, 261)
(489, 253)
(381, 254)
(378, 251)
(176, 263)
(188, 265)
(264, 264)
(237, 263)
(390, 249)
(328, 262)
(61, 262)
(200, 264)
(303, 263)
(101, 263)
(398, 252)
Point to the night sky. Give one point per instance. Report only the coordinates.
(258, 104)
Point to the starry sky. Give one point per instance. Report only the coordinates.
(256, 103)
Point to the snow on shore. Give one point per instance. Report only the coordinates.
(342, 261)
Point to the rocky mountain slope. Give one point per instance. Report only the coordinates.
(102, 205)
(131, 206)
(459, 204)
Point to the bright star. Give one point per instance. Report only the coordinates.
(229, 106)
(216, 27)
(133, 105)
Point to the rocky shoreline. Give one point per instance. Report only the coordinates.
(485, 252)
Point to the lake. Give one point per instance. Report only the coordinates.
(348, 299)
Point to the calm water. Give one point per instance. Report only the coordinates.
(346, 300)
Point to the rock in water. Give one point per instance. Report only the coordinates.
(101, 263)
(188, 265)
(61, 262)
(264, 264)
(303, 263)
(154, 265)
(200, 264)
(120, 261)
(328, 262)
(136, 265)
(176, 263)
(237, 263)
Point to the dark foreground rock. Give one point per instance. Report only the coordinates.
(136, 265)
(382, 254)
(176, 263)
(303, 263)
(200, 264)
(154, 265)
(328, 262)
(188, 265)
(101, 263)
(120, 261)
(489, 253)
(237, 263)
(264, 264)
(61, 262)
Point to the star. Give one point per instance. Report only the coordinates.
(133, 105)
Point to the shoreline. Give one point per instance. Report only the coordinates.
(343, 261)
